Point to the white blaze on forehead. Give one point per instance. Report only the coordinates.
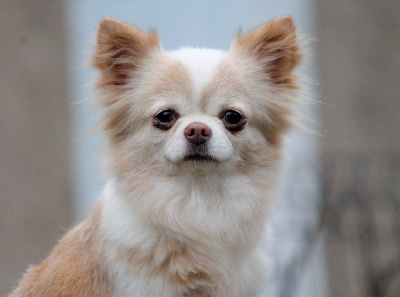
(201, 63)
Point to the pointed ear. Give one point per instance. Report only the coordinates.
(119, 50)
(275, 45)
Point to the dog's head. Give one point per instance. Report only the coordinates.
(195, 110)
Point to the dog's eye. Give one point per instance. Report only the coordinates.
(165, 116)
(233, 120)
(232, 117)
(164, 119)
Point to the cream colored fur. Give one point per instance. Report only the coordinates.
(167, 225)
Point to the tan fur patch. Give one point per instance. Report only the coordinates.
(74, 268)
(117, 117)
(119, 49)
(274, 47)
(172, 80)
(279, 123)
(225, 81)
(276, 43)
(169, 79)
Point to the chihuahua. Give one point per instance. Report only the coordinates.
(193, 150)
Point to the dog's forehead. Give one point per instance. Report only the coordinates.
(202, 66)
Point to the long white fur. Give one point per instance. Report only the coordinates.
(214, 214)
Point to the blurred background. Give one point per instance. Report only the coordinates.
(337, 223)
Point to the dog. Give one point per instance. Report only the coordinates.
(193, 149)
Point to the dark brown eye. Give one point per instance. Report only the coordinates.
(165, 116)
(233, 120)
(232, 117)
(164, 119)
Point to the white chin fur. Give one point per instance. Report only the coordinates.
(219, 147)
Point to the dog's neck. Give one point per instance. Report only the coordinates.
(182, 207)
(181, 245)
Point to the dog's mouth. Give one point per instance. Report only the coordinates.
(199, 158)
(198, 154)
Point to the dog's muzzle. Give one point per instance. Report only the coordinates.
(197, 133)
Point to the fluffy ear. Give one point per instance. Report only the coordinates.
(275, 45)
(119, 50)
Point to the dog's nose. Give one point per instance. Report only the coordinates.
(197, 133)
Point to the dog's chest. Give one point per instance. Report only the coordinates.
(171, 275)
(175, 275)
(214, 259)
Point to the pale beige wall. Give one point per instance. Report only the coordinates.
(358, 59)
(34, 186)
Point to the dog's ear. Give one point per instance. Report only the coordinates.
(275, 44)
(120, 49)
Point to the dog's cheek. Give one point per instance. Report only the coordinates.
(175, 146)
(117, 159)
(149, 143)
(275, 130)
(275, 118)
(254, 151)
(134, 153)
(220, 145)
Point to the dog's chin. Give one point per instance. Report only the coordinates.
(198, 162)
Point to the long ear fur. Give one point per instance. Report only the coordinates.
(119, 50)
(275, 44)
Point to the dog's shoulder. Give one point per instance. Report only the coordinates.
(74, 267)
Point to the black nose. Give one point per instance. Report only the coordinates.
(197, 133)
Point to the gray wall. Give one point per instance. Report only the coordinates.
(358, 54)
(35, 208)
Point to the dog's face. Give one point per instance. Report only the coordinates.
(195, 110)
